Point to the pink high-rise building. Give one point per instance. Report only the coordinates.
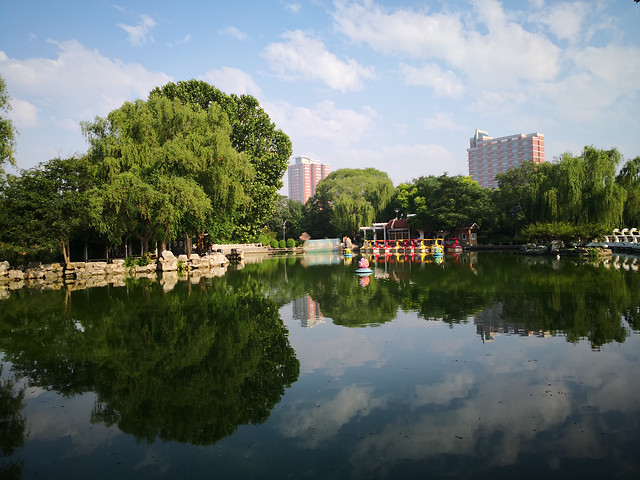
(304, 176)
(490, 156)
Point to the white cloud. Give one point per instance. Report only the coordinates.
(618, 66)
(293, 7)
(441, 121)
(565, 20)
(78, 83)
(314, 424)
(445, 83)
(233, 32)
(23, 114)
(324, 121)
(486, 45)
(184, 41)
(141, 33)
(405, 162)
(301, 56)
(233, 80)
(55, 94)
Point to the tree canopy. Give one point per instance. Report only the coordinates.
(443, 203)
(252, 133)
(347, 199)
(43, 208)
(580, 190)
(165, 169)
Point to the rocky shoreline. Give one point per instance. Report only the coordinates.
(167, 269)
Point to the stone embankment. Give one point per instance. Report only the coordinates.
(88, 274)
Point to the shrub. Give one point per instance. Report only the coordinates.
(181, 267)
(291, 243)
(282, 244)
(274, 243)
(263, 239)
(131, 262)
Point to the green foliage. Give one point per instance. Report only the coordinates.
(629, 179)
(263, 239)
(166, 169)
(188, 365)
(567, 232)
(267, 148)
(289, 213)
(443, 203)
(43, 208)
(579, 190)
(346, 200)
(273, 243)
(143, 261)
(282, 244)
(7, 131)
(291, 243)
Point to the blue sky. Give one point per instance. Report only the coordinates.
(395, 85)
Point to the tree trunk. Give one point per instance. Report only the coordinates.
(65, 253)
(200, 242)
(187, 245)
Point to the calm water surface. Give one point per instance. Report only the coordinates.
(483, 366)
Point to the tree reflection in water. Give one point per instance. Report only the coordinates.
(13, 431)
(580, 299)
(184, 366)
(193, 364)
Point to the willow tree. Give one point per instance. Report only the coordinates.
(603, 199)
(346, 200)
(253, 133)
(629, 179)
(578, 190)
(163, 170)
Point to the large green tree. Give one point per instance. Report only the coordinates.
(443, 203)
(7, 132)
(164, 170)
(252, 133)
(346, 200)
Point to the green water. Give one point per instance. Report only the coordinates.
(485, 365)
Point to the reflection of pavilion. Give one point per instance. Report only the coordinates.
(489, 324)
(307, 311)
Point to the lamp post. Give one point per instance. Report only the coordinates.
(283, 230)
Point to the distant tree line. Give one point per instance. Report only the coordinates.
(191, 162)
(572, 198)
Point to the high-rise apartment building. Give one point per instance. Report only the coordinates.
(304, 175)
(490, 156)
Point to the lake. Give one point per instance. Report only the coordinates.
(484, 365)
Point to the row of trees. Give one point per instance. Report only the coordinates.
(192, 161)
(187, 162)
(572, 198)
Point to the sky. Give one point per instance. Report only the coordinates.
(400, 85)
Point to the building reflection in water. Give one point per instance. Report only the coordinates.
(307, 311)
(489, 325)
